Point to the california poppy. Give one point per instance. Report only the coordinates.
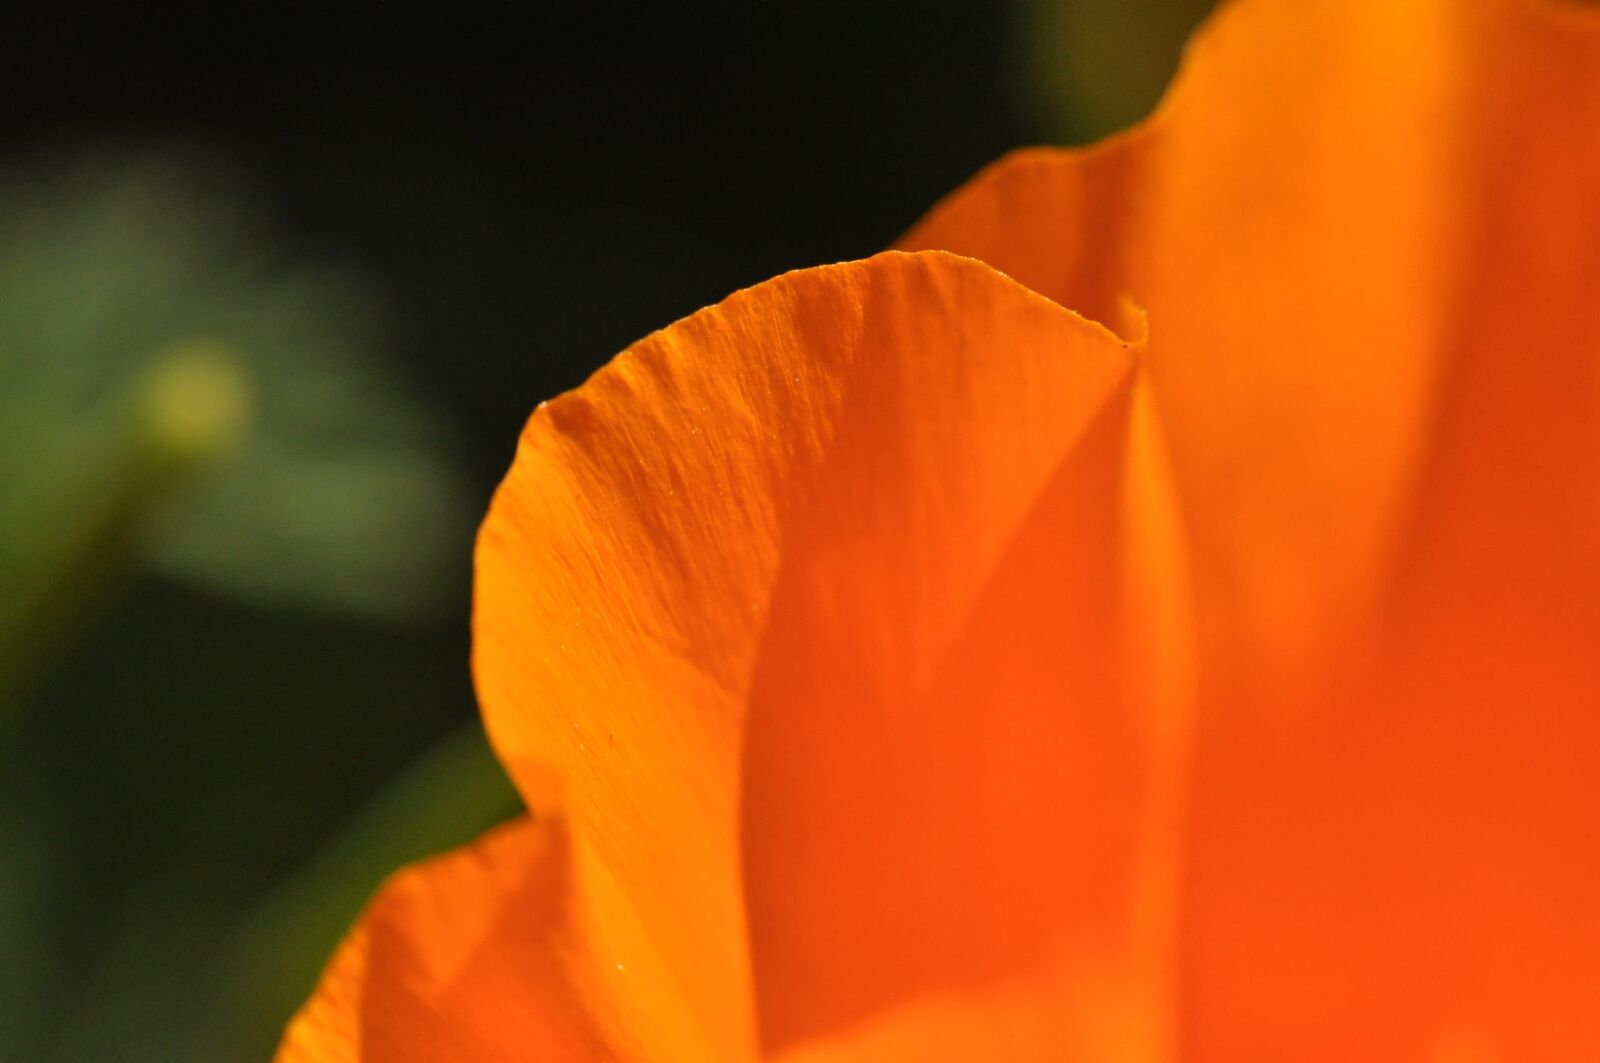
(901, 666)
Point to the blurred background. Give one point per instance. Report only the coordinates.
(278, 286)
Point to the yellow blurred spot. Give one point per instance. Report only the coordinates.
(196, 403)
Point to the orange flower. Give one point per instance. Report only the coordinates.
(902, 667)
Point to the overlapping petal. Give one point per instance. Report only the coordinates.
(1290, 220)
(763, 610)
(1368, 237)
(732, 586)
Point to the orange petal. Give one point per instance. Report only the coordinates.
(462, 957)
(850, 541)
(1367, 236)
(949, 782)
(1287, 218)
(1032, 1021)
(1432, 849)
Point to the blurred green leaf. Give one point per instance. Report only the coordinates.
(339, 496)
(71, 516)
